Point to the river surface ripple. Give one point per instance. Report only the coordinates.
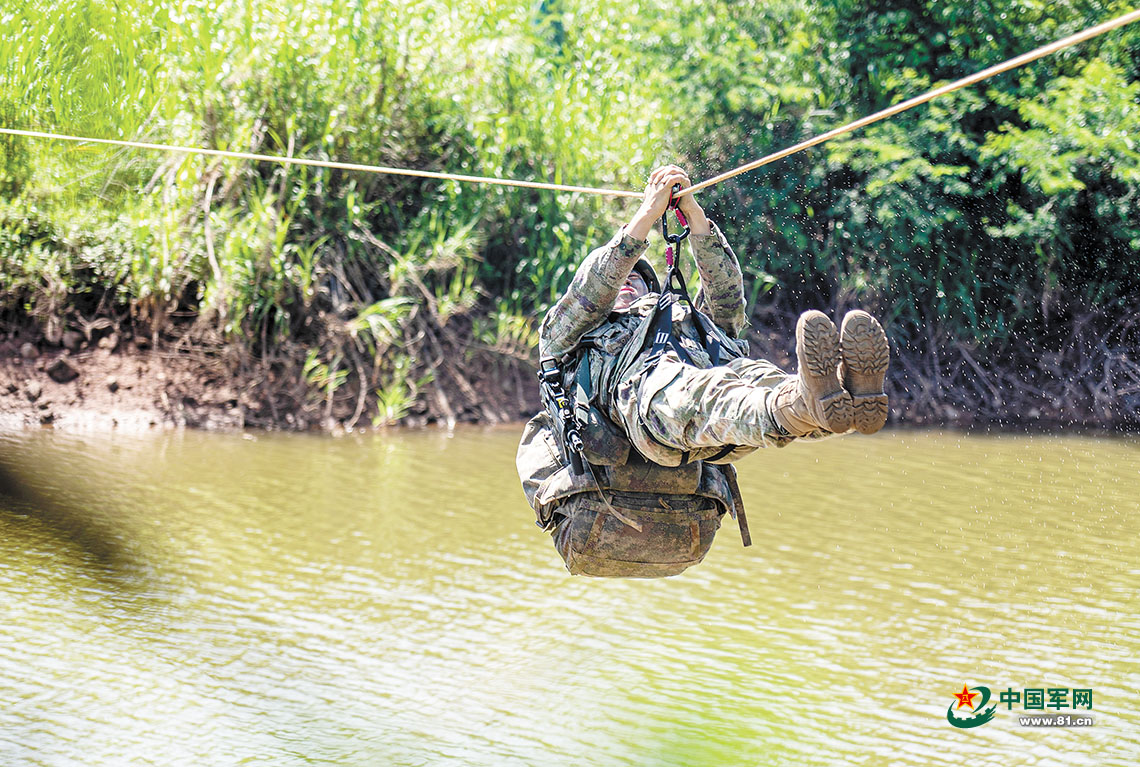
(197, 598)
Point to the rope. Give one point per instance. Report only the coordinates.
(326, 164)
(977, 77)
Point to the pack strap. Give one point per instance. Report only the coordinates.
(738, 503)
(675, 285)
(663, 337)
(724, 451)
(609, 506)
(583, 390)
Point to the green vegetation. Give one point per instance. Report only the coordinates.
(992, 223)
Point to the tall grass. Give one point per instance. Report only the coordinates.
(349, 265)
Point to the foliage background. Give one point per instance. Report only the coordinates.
(997, 231)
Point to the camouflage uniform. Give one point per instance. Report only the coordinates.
(655, 430)
(672, 412)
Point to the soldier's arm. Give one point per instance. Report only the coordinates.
(722, 284)
(591, 295)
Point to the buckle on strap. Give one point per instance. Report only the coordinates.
(559, 405)
(548, 371)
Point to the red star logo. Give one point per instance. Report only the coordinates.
(966, 698)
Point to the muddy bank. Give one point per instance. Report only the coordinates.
(124, 381)
(120, 380)
(109, 384)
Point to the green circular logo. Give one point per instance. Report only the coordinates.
(979, 714)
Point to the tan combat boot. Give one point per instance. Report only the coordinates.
(813, 399)
(866, 355)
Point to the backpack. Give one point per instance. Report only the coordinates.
(634, 520)
(612, 512)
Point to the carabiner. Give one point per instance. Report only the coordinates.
(675, 239)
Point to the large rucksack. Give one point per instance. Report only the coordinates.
(634, 520)
(611, 512)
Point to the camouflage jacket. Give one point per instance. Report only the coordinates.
(588, 302)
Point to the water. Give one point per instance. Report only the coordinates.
(296, 600)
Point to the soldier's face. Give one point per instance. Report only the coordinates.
(633, 289)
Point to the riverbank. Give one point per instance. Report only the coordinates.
(286, 296)
(111, 384)
(127, 381)
(117, 380)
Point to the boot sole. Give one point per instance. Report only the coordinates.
(817, 342)
(866, 356)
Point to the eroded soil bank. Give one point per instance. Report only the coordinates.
(127, 381)
(120, 380)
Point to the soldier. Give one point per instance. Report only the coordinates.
(660, 416)
(672, 407)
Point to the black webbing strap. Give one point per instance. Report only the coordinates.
(675, 285)
(720, 453)
(663, 330)
(583, 389)
(738, 502)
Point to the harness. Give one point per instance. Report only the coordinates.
(660, 322)
(675, 290)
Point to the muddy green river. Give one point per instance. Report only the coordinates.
(177, 599)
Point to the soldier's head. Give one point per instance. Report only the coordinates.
(642, 280)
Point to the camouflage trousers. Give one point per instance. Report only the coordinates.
(676, 407)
